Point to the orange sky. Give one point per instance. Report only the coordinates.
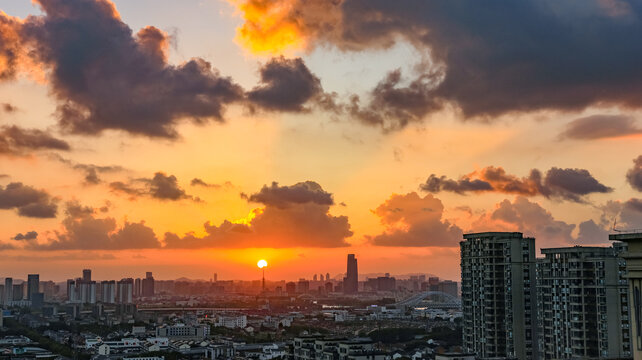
(294, 169)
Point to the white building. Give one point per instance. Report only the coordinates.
(231, 322)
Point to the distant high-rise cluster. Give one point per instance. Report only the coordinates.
(87, 291)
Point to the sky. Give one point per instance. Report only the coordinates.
(197, 137)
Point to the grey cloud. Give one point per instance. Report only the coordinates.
(300, 193)
(161, 187)
(521, 56)
(601, 126)
(286, 85)
(634, 175)
(28, 201)
(15, 140)
(105, 77)
(568, 184)
(30, 235)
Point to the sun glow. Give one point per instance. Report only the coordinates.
(268, 28)
(261, 264)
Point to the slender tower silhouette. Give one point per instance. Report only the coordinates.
(351, 281)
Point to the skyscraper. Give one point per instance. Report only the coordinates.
(499, 295)
(351, 281)
(33, 285)
(148, 285)
(8, 290)
(86, 275)
(583, 303)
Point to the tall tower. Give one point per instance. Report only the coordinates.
(148, 285)
(86, 275)
(33, 285)
(351, 281)
(499, 295)
(8, 290)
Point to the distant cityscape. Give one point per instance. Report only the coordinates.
(570, 303)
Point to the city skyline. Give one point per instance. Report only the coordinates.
(198, 137)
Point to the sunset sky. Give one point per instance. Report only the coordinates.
(196, 137)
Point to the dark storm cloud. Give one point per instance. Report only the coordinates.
(497, 57)
(293, 216)
(284, 196)
(601, 126)
(105, 77)
(30, 235)
(28, 201)
(161, 187)
(15, 140)
(568, 184)
(285, 85)
(634, 175)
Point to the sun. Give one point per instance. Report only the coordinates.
(261, 264)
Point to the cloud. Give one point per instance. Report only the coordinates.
(392, 105)
(286, 85)
(488, 70)
(28, 201)
(161, 187)
(293, 216)
(30, 235)
(568, 184)
(8, 108)
(6, 246)
(106, 77)
(625, 215)
(91, 171)
(592, 233)
(600, 127)
(15, 140)
(529, 218)
(284, 196)
(83, 231)
(411, 220)
(634, 175)
(201, 182)
(11, 51)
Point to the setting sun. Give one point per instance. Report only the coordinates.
(261, 264)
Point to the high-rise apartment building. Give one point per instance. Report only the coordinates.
(499, 295)
(125, 291)
(108, 291)
(33, 285)
(583, 303)
(148, 285)
(351, 281)
(633, 257)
